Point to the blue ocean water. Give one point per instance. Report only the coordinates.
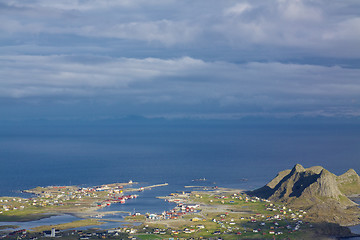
(224, 153)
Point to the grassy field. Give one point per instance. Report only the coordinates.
(148, 236)
(140, 218)
(8, 226)
(74, 224)
(24, 217)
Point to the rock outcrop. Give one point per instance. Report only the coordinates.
(323, 194)
(349, 183)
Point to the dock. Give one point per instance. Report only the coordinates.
(152, 186)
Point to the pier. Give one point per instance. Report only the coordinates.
(140, 189)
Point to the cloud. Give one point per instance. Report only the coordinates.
(205, 57)
(295, 10)
(66, 73)
(163, 31)
(345, 31)
(314, 27)
(181, 82)
(84, 5)
(237, 9)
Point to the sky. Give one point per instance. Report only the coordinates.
(96, 59)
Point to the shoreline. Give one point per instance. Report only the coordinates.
(212, 201)
(79, 202)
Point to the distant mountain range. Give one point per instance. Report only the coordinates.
(321, 193)
(111, 120)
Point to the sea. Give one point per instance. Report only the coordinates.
(227, 153)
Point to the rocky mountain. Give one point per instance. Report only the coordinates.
(321, 193)
(349, 183)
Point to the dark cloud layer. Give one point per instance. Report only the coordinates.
(180, 58)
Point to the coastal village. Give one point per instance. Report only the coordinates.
(228, 213)
(65, 198)
(202, 212)
(208, 214)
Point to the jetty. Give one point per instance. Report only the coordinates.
(140, 189)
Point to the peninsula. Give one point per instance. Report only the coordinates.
(79, 201)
